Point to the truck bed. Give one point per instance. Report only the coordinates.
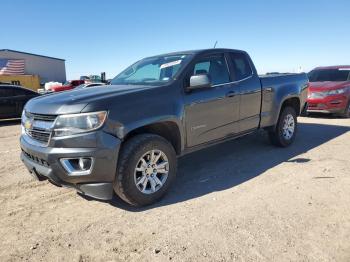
(274, 88)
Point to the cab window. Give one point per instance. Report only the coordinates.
(215, 67)
(241, 66)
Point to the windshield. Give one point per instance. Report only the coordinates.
(334, 75)
(152, 71)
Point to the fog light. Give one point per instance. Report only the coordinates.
(85, 163)
(78, 166)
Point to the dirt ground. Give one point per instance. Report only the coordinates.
(243, 200)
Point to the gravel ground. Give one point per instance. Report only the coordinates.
(243, 200)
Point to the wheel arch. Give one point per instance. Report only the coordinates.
(293, 102)
(167, 129)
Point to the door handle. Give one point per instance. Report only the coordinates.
(231, 94)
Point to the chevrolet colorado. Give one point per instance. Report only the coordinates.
(125, 138)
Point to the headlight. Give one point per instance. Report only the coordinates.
(337, 91)
(66, 125)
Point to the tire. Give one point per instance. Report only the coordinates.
(135, 154)
(282, 136)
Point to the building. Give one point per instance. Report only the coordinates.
(45, 67)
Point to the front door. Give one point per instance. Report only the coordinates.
(211, 113)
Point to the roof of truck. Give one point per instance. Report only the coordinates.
(334, 67)
(200, 51)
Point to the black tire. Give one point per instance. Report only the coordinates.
(131, 152)
(276, 135)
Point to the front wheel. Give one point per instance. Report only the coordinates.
(284, 133)
(146, 169)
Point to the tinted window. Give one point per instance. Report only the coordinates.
(152, 70)
(147, 72)
(18, 92)
(6, 91)
(215, 67)
(22, 91)
(321, 75)
(241, 66)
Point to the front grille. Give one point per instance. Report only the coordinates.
(40, 130)
(49, 118)
(36, 159)
(40, 135)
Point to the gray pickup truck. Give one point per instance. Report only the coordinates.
(125, 138)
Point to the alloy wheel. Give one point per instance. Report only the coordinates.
(288, 127)
(151, 171)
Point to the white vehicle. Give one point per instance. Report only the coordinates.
(89, 85)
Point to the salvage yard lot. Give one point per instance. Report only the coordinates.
(243, 200)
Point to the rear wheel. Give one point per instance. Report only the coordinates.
(284, 133)
(146, 169)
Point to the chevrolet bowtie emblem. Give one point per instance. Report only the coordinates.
(28, 124)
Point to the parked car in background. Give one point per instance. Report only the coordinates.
(125, 138)
(12, 100)
(94, 79)
(329, 90)
(67, 86)
(84, 78)
(86, 85)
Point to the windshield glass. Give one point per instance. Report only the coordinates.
(334, 75)
(152, 71)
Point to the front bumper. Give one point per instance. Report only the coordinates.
(329, 104)
(44, 162)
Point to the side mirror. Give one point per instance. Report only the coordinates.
(199, 81)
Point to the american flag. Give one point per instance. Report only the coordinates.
(11, 66)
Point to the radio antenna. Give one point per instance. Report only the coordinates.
(215, 43)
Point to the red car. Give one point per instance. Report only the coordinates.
(67, 86)
(329, 90)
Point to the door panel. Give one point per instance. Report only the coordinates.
(250, 91)
(211, 113)
(250, 104)
(7, 105)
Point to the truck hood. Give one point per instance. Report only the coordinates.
(74, 101)
(328, 85)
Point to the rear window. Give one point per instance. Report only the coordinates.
(241, 66)
(334, 75)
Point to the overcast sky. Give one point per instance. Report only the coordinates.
(97, 36)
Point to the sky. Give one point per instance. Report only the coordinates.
(107, 36)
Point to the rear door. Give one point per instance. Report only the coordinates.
(249, 85)
(211, 113)
(7, 105)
